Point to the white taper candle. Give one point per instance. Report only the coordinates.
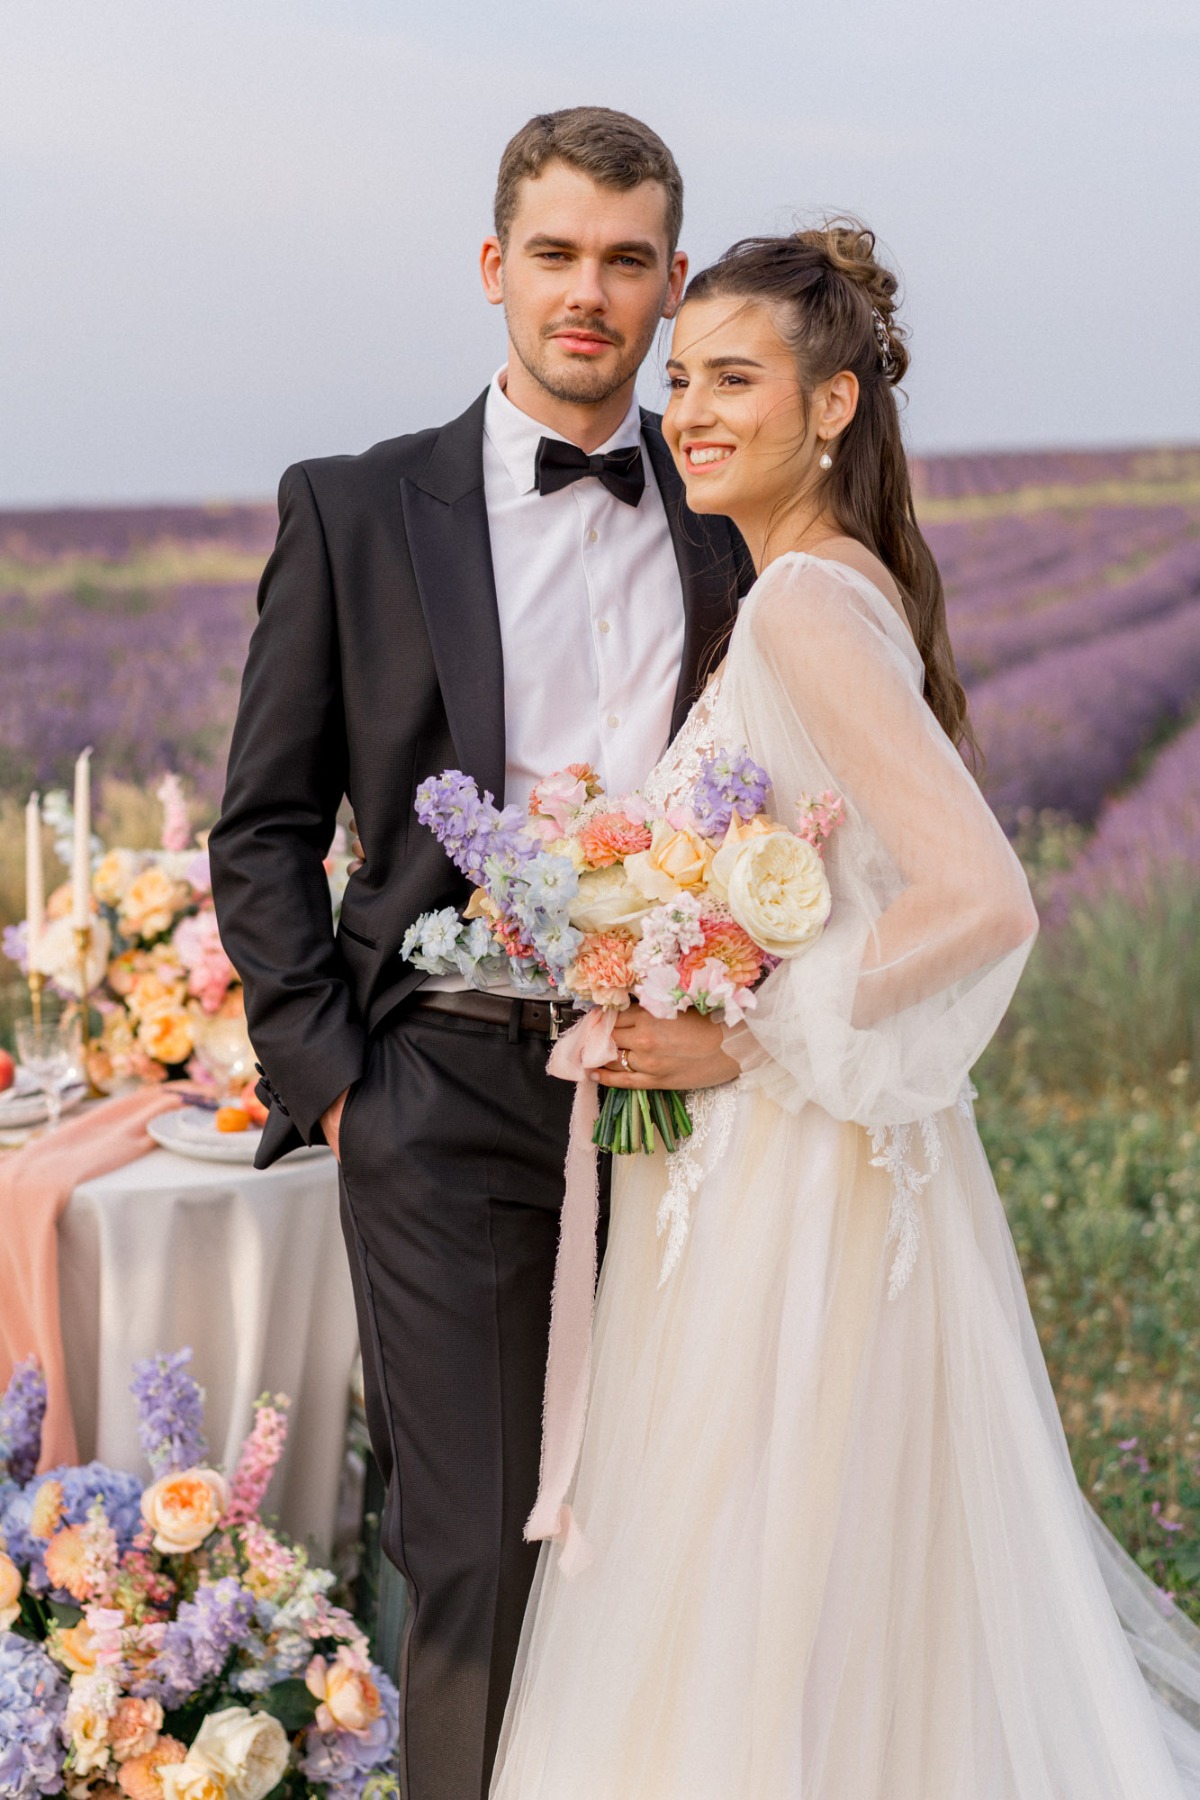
(81, 865)
(35, 881)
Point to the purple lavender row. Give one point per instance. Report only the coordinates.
(1063, 731)
(997, 563)
(150, 679)
(1142, 836)
(113, 533)
(997, 472)
(986, 646)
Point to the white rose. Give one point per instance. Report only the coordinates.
(607, 900)
(192, 1780)
(183, 1508)
(58, 956)
(249, 1749)
(779, 893)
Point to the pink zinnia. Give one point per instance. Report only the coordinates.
(610, 837)
(725, 942)
(603, 970)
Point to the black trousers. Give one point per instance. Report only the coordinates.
(452, 1149)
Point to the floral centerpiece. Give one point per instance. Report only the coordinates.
(603, 902)
(168, 998)
(161, 1642)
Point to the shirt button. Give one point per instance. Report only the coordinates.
(593, 537)
(605, 626)
(613, 720)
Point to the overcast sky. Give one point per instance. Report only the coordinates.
(241, 232)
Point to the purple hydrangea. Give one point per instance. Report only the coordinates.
(344, 1761)
(21, 1413)
(82, 1484)
(197, 1642)
(33, 1702)
(469, 828)
(728, 784)
(170, 1412)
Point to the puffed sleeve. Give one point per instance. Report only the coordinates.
(932, 919)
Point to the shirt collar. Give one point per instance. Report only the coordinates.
(515, 436)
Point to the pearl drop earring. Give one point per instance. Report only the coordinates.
(826, 461)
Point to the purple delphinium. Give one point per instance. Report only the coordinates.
(21, 1413)
(15, 942)
(728, 784)
(33, 1702)
(197, 1642)
(344, 1761)
(469, 828)
(170, 1412)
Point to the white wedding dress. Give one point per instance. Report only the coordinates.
(837, 1547)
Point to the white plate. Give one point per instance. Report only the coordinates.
(192, 1131)
(23, 1104)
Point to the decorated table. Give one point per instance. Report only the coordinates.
(248, 1267)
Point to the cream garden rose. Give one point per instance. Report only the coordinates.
(678, 857)
(608, 901)
(778, 892)
(10, 1591)
(193, 1780)
(249, 1750)
(183, 1508)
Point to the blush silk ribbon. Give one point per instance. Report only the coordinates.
(583, 1049)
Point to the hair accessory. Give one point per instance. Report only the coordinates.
(883, 339)
(825, 461)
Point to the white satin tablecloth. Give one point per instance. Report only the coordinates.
(249, 1268)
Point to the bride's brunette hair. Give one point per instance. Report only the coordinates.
(836, 303)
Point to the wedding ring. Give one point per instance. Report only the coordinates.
(623, 1059)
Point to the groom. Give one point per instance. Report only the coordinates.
(506, 594)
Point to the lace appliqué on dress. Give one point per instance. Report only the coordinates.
(712, 1111)
(892, 1145)
(674, 778)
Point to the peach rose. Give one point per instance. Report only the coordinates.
(10, 1591)
(151, 901)
(75, 1648)
(66, 1562)
(603, 970)
(166, 1035)
(184, 1508)
(135, 1728)
(150, 993)
(677, 858)
(349, 1698)
(113, 875)
(47, 1510)
(141, 1778)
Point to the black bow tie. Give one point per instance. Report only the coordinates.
(557, 465)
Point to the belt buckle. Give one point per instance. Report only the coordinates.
(555, 1028)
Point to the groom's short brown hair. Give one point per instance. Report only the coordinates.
(613, 148)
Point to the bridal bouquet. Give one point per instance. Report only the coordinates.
(162, 1643)
(604, 902)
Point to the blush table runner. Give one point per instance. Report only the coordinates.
(35, 1187)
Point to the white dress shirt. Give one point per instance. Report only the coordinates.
(591, 613)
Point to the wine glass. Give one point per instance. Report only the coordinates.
(225, 1051)
(51, 1052)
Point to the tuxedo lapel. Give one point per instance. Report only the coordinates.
(445, 517)
(708, 573)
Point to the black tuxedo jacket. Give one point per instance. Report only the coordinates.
(375, 663)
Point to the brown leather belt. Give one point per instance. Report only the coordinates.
(542, 1018)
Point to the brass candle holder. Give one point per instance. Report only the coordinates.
(37, 982)
(83, 950)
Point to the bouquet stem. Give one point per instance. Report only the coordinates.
(632, 1119)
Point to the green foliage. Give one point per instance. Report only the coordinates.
(291, 1703)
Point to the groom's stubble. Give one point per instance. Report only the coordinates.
(576, 381)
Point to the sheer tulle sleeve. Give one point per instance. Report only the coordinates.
(932, 920)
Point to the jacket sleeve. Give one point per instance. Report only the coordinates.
(286, 778)
(932, 921)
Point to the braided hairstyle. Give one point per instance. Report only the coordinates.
(837, 306)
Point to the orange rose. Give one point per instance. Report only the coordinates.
(66, 1562)
(47, 1510)
(140, 1778)
(10, 1591)
(75, 1648)
(184, 1508)
(167, 1036)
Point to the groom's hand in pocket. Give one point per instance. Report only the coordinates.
(331, 1123)
(686, 1052)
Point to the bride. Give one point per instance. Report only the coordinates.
(837, 1551)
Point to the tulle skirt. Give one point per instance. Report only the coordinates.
(838, 1550)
